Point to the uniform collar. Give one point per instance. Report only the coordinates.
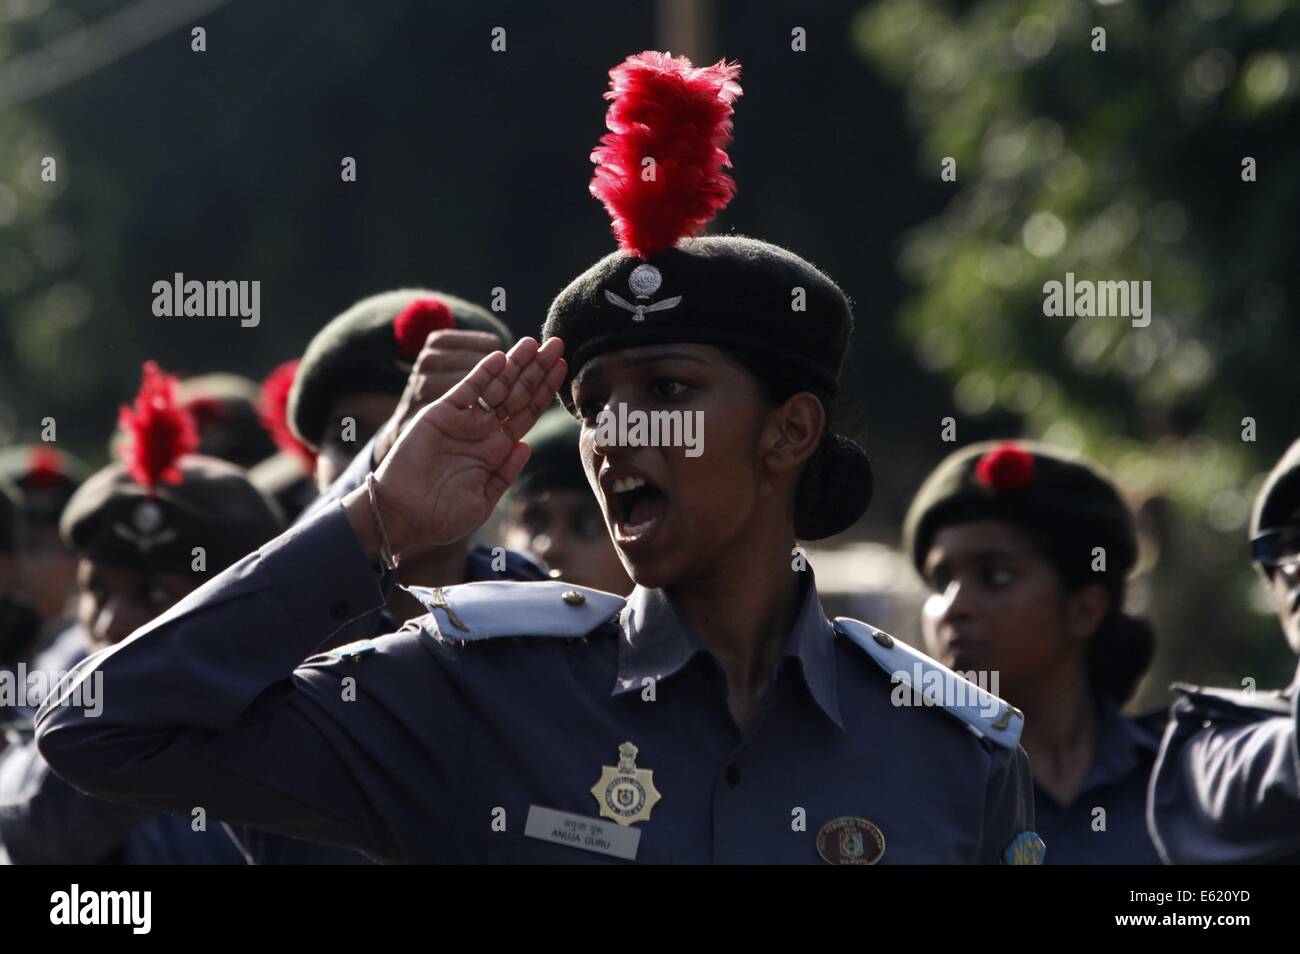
(1123, 745)
(656, 641)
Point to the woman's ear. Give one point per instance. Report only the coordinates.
(1085, 608)
(794, 431)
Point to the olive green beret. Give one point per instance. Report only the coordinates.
(360, 350)
(1034, 486)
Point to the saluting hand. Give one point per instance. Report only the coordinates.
(447, 356)
(454, 459)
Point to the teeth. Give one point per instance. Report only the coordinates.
(624, 484)
(636, 530)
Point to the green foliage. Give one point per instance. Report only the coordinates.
(1116, 165)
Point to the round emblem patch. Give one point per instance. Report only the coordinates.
(850, 841)
(644, 281)
(147, 516)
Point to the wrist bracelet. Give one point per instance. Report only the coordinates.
(386, 554)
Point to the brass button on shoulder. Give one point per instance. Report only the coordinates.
(884, 639)
(573, 598)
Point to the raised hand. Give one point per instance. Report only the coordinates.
(454, 459)
(447, 356)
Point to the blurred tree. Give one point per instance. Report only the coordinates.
(41, 297)
(1122, 164)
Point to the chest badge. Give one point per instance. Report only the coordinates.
(625, 794)
(850, 841)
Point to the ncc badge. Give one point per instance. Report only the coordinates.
(850, 841)
(625, 794)
(1025, 849)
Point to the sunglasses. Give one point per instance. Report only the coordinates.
(1277, 547)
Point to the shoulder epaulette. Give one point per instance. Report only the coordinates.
(507, 608)
(1235, 704)
(937, 685)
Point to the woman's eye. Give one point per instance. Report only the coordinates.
(667, 388)
(997, 576)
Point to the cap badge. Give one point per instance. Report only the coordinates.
(644, 282)
(148, 531)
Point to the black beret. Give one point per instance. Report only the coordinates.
(10, 515)
(737, 293)
(113, 519)
(359, 351)
(225, 411)
(555, 462)
(1036, 487)
(46, 476)
(1279, 498)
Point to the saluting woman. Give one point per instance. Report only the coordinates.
(715, 715)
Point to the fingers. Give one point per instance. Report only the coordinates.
(475, 384)
(532, 378)
(510, 468)
(522, 422)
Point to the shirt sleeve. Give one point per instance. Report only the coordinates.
(44, 820)
(212, 706)
(1008, 804)
(1225, 792)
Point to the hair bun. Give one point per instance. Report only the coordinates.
(834, 489)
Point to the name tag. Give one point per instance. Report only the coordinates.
(579, 831)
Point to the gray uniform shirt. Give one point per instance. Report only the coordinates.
(436, 743)
(1224, 789)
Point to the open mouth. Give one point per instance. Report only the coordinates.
(636, 507)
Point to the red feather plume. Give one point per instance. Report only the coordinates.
(417, 321)
(663, 108)
(273, 412)
(159, 430)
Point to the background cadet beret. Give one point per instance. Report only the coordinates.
(47, 478)
(1067, 508)
(114, 519)
(1279, 498)
(10, 511)
(151, 510)
(555, 462)
(371, 347)
(225, 410)
(1036, 487)
(776, 313)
